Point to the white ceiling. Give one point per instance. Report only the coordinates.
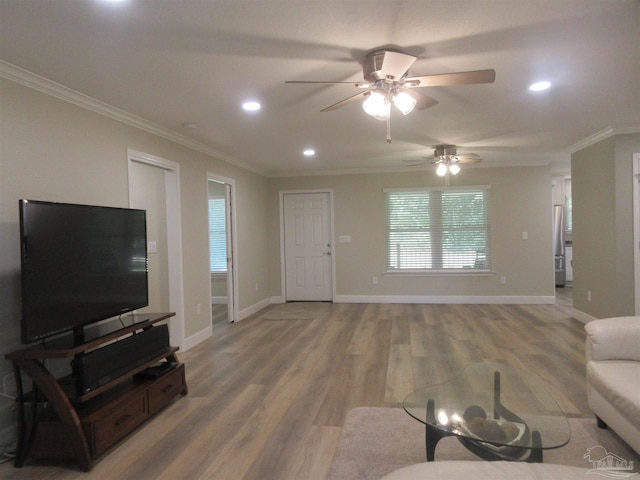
(176, 61)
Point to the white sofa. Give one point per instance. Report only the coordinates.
(613, 375)
(501, 470)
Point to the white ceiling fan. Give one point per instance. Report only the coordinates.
(387, 81)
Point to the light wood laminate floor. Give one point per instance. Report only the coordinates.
(268, 395)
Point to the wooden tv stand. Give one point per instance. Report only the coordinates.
(83, 426)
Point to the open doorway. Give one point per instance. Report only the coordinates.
(563, 239)
(221, 249)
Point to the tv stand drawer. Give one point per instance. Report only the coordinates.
(167, 387)
(111, 421)
(118, 423)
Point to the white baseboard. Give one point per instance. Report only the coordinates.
(219, 300)
(256, 307)
(583, 317)
(454, 299)
(196, 338)
(205, 333)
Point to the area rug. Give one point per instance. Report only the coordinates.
(377, 441)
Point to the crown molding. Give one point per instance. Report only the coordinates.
(59, 91)
(602, 135)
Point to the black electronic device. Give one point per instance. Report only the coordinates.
(80, 264)
(107, 363)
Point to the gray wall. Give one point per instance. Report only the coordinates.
(53, 150)
(603, 247)
(520, 202)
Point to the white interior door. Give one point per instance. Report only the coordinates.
(173, 231)
(307, 246)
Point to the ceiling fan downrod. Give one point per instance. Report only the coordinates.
(389, 129)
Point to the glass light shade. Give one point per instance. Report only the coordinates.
(454, 169)
(385, 111)
(404, 102)
(441, 170)
(374, 104)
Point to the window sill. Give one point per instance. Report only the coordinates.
(439, 273)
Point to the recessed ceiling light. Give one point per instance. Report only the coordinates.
(309, 152)
(539, 86)
(251, 106)
(189, 125)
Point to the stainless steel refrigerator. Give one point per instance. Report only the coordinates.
(558, 245)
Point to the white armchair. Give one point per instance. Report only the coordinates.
(613, 375)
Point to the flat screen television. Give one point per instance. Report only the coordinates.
(80, 264)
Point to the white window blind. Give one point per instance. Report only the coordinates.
(217, 234)
(438, 229)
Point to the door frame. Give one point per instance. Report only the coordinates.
(283, 279)
(174, 237)
(232, 273)
(636, 229)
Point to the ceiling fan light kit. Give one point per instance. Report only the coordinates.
(447, 166)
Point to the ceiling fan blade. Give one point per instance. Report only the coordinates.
(356, 84)
(342, 103)
(422, 101)
(414, 163)
(446, 79)
(396, 64)
(469, 158)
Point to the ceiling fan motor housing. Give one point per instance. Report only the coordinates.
(372, 66)
(444, 151)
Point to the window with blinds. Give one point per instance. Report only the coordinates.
(438, 229)
(217, 235)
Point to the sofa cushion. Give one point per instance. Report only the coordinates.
(613, 339)
(459, 470)
(618, 381)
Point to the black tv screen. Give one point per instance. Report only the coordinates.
(80, 264)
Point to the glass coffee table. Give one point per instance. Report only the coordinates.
(496, 411)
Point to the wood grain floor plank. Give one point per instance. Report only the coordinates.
(268, 395)
(399, 379)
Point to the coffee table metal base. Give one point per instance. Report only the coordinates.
(484, 451)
